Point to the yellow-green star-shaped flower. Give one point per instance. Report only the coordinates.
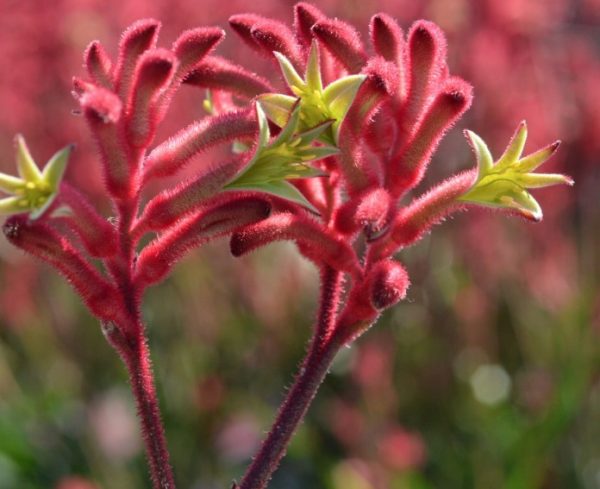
(286, 157)
(33, 190)
(505, 183)
(317, 104)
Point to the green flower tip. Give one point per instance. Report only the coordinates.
(33, 190)
(504, 183)
(285, 157)
(317, 104)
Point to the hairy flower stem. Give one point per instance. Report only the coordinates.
(315, 366)
(136, 356)
(142, 385)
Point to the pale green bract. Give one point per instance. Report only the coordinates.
(317, 104)
(505, 183)
(286, 157)
(33, 190)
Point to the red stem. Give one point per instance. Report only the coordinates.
(142, 385)
(131, 343)
(312, 372)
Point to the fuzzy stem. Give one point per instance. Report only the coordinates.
(141, 378)
(133, 348)
(311, 374)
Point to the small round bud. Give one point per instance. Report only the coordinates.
(388, 283)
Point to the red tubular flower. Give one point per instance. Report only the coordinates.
(305, 17)
(271, 35)
(98, 236)
(171, 205)
(242, 24)
(318, 244)
(360, 170)
(192, 46)
(388, 41)
(138, 38)
(102, 109)
(427, 63)
(334, 152)
(98, 64)
(170, 157)
(159, 257)
(343, 42)
(415, 220)
(43, 242)
(220, 74)
(411, 161)
(154, 72)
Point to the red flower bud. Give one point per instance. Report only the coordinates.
(388, 282)
(193, 45)
(169, 157)
(314, 241)
(40, 240)
(98, 64)
(171, 205)
(154, 72)
(159, 257)
(305, 17)
(97, 235)
(219, 74)
(369, 211)
(343, 42)
(137, 38)
(412, 160)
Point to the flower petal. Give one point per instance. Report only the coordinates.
(515, 148)
(313, 72)
(10, 184)
(290, 74)
(13, 205)
(55, 168)
(277, 107)
(26, 166)
(485, 161)
(536, 159)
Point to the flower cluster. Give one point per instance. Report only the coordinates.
(324, 161)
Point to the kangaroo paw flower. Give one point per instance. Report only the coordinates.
(33, 190)
(504, 184)
(317, 104)
(286, 157)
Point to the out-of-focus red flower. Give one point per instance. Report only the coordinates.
(75, 483)
(402, 450)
